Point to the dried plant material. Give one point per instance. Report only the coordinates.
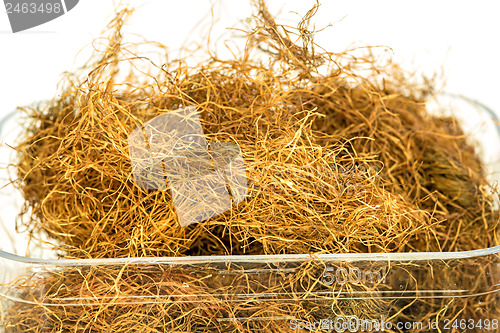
(335, 163)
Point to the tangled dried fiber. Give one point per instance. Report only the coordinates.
(336, 163)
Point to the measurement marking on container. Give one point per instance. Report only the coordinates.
(353, 275)
(258, 271)
(255, 318)
(298, 295)
(363, 295)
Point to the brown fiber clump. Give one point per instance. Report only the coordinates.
(336, 162)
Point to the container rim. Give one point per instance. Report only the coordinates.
(346, 257)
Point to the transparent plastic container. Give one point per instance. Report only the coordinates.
(396, 292)
(338, 287)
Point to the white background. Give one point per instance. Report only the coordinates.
(457, 38)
